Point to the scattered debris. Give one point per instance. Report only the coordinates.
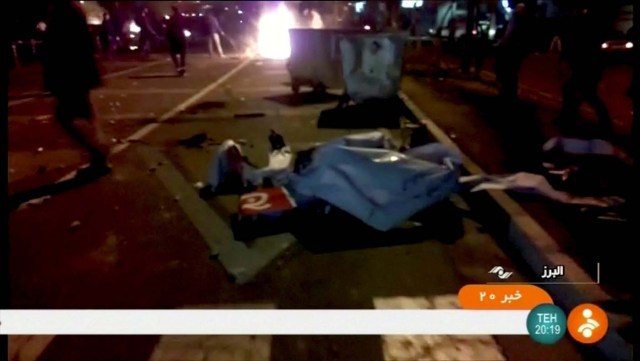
(74, 225)
(194, 141)
(249, 115)
(33, 202)
(535, 183)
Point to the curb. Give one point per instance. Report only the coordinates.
(536, 246)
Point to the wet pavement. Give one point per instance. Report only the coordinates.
(129, 241)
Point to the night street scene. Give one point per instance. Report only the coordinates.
(323, 155)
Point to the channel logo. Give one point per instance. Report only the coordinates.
(501, 273)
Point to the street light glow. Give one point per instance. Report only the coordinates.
(628, 45)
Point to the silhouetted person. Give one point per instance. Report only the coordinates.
(70, 73)
(177, 40)
(513, 49)
(215, 34)
(147, 33)
(580, 42)
(107, 35)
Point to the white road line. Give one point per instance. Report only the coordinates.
(150, 127)
(107, 76)
(112, 91)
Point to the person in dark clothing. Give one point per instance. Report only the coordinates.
(177, 40)
(107, 35)
(513, 50)
(70, 73)
(147, 33)
(215, 33)
(579, 44)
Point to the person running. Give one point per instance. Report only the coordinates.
(177, 40)
(70, 73)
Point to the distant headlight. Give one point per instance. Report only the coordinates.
(628, 45)
(604, 46)
(187, 33)
(134, 28)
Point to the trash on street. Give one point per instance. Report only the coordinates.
(361, 174)
(537, 184)
(194, 141)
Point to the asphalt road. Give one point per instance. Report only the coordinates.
(131, 241)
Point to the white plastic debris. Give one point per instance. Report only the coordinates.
(535, 183)
(33, 202)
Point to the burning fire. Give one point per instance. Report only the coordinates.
(273, 33)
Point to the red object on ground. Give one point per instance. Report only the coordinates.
(265, 201)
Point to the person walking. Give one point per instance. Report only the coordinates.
(148, 35)
(215, 33)
(579, 45)
(177, 40)
(70, 73)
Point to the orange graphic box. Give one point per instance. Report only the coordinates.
(502, 297)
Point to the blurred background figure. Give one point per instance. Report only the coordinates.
(514, 47)
(148, 36)
(579, 44)
(177, 40)
(215, 34)
(70, 73)
(107, 36)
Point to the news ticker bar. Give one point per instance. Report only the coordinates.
(264, 322)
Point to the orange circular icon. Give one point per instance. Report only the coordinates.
(587, 323)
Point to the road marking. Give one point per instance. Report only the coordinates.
(240, 260)
(180, 107)
(111, 91)
(107, 76)
(150, 127)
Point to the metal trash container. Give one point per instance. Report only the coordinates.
(372, 64)
(314, 59)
